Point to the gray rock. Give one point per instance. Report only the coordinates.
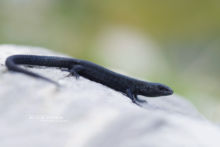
(83, 113)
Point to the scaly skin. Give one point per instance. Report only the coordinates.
(129, 86)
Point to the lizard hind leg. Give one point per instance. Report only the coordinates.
(75, 70)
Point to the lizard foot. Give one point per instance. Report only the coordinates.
(74, 71)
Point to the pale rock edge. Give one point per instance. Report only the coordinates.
(87, 114)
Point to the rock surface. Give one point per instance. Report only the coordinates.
(83, 113)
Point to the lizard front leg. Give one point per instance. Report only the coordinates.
(139, 100)
(132, 97)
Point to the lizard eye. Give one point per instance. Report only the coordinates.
(164, 89)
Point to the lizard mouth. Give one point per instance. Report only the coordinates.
(169, 92)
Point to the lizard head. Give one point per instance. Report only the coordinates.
(154, 89)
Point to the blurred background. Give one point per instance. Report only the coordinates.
(172, 42)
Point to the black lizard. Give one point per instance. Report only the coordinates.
(129, 86)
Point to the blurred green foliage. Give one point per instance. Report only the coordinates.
(187, 34)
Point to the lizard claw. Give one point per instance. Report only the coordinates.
(74, 73)
(136, 102)
(140, 100)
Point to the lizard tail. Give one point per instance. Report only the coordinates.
(12, 66)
